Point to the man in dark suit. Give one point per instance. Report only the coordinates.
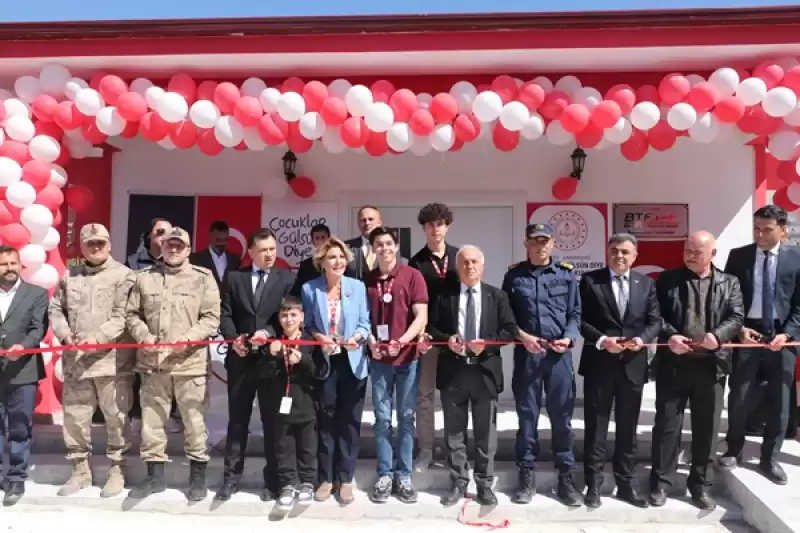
(23, 311)
(216, 258)
(768, 271)
(620, 315)
(474, 318)
(250, 311)
(306, 271)
(364, 259)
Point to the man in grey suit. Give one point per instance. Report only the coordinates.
(23, 312)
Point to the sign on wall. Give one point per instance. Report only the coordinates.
(652, 221)
(580, 232)
(292, 223)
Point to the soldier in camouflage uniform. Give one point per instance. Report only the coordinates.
(88, 307)
(173, 301)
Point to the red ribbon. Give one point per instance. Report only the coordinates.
(491, 526)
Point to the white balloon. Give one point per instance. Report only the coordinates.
(153, 95)
(779, 102)
(16, 108)
(291, 106)
(545, 83)
(695, 79)
(557, 135)
(36, 217)
(173, 108)
(379, 117)
(49, 238)
(275, 188)
(751, 91)
(253, 140)
(725, 80)
(312, 126)
(793, 192)
(588, 97)
(58, 368)
(44, 148)
(140, 86)
(253, 87)
(204, 114)
(784, 145)
(332, 140)
(793, 118)
(568, 84)
(228, 131)
(487, 106)
(53, 78)
(73, 87)
(464, 92)
(27, 88)
(339, 88)
(110, 122)
(514, 116)
(20, 194)
(682, 116)
(619, 132)
(269, 98)
(58, 176)
(89, 102)
(797, 166)
(705, 130)
(399, 137)
(10, 171)
(420, 145)
(358, 100)
(424, 100)
(603, 144)
(645, 115)
(32, 256)
(166, 143)
(46, 276)
(534, 127)
(20, 129)
(442, 138)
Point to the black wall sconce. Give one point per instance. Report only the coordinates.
(578, 162)
(289, 164)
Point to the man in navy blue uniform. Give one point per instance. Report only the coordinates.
(546, 303)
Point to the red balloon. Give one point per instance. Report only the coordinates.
(5, 215)
(466, 127)
(403, 103)
(505, 87)
(661, 136)
(63, 157)
(131, 130)
(131, 106)
(111, 88)
(635, 148)
(184, 135)
(293, 84)
(92, 134)
(303, 187)
(296, 142)
(205, 91)
(248, 111)
(503, 139)
(781, 199)
(787, 172)
(444, 108)
(575, 117)
(382, 91)
(624, 96)
(771, 73)
(79, 198)
(184, 85)
(51, 129)
(15, 235)
(648, 93)
(458, 144)
(554, 104)
(674, 88)
(67, 116)
(702, 97)
(14, 210)
(44, 107)
(376, 144)
(273, 129)
(531, 94)
(226, 95)
(791, 79)
(208, 143)
(153, 127)
(56, 218)
(16, 150)
(334, 111)
(314, 94)
(729, 110)
(97, 77)
(51, 197)
(37, 173)
(564, 188)
(421, 122)
(606, 114)
(2, 113)
(354, 132)
(590, 136)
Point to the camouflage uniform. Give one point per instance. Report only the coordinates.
(89, 303)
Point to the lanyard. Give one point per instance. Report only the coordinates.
(287, 366)
(385, 296)
(443, 272)
(333, 321)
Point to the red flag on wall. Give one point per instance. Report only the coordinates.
(657, 256)
(241, 213)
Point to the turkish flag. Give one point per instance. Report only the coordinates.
(241, 213)
(656, 256)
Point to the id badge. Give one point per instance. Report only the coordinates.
(286, 405)
(383, 332)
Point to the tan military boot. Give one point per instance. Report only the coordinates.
(115, 482)
(80, 479)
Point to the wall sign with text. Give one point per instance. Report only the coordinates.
(652, 221)
(292, 223)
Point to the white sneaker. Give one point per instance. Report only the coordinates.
(424, 461)
(305, 494)
(286, 499)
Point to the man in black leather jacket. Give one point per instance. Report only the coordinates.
(702, 309)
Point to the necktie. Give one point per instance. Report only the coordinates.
(470, 323)
(370, 258)
(767, 296)
(622, 296)
(259, 286)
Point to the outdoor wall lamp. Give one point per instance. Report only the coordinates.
(578, 162)
(289, 163)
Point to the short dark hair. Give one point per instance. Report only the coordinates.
(434, 213)
(4, 249)
(260, 235)
(320, 228)
(291, 302)
(619, 238)
(773, 212)
(219, 225)
(380, 231)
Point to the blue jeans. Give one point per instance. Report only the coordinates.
(395, 458)
(16, 409)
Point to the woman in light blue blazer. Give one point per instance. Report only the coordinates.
(335, 308)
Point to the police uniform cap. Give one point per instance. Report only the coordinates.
(533, 231)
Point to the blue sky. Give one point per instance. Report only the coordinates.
(41, 10)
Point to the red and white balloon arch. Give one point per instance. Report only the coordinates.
(52, 117)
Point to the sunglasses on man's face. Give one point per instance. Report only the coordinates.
(160, 232)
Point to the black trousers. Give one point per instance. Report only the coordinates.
(600, 393)
(694, 381)
(750, 367)
(242, 391)
(469, 390)
(296, 453)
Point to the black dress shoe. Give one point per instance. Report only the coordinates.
(228, 489)
(773, 472)
(14, 491)
(703, 500)
(592, 499)
(486, 496)
(631, 496)
(457, 492)
(658, 497)
(566, 491)
(268, 495)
